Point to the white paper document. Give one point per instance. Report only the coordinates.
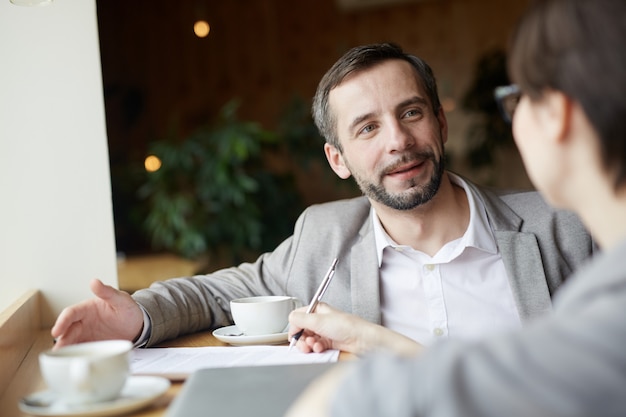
(178, 363)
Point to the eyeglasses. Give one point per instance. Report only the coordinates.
(507, 98)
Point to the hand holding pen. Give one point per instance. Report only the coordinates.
(316, 299)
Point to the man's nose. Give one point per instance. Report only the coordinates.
(400, 137)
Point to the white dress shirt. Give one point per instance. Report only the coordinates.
(461, 292)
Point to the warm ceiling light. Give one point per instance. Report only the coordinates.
(152, 163)
(201, 28)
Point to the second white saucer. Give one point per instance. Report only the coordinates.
(138, 392)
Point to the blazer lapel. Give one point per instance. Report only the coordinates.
(522, 260)
(521, 256)
(364, 276)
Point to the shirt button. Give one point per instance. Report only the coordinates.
(429, 267)
(438, 332)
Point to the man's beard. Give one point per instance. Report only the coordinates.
(409, 199)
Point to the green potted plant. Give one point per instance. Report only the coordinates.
(214, 193)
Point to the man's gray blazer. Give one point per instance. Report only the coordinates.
(539, 246)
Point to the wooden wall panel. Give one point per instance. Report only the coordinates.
(20, 325)
(265, 51)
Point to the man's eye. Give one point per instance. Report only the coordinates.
(367, 129)
(411, 113)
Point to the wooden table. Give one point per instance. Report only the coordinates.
(28, 379)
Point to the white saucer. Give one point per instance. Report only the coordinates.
(138, 392)
(232, 335)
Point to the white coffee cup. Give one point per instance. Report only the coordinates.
(263, 314)
(87, 373)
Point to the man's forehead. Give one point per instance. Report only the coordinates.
(379, 67)
(396, 75)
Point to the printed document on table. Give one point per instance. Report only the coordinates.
(178, 363)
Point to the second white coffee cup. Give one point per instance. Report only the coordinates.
(87, 372)
(263, 314)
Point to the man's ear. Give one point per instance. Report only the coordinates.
(336, 162)
(443, 125)
(556, 115)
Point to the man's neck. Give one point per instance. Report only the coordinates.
(429, 227)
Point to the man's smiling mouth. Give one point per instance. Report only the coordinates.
(405, 168)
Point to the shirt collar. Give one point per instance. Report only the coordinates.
(478, 234)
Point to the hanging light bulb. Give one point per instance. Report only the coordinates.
(152, 163)
(201, 28)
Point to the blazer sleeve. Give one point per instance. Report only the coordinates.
(189, 304)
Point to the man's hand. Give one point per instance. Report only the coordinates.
(329, 328)
(112, 314)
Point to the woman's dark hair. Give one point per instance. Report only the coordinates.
(577, 47)
(361, 58)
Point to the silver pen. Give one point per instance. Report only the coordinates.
(316, 299)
